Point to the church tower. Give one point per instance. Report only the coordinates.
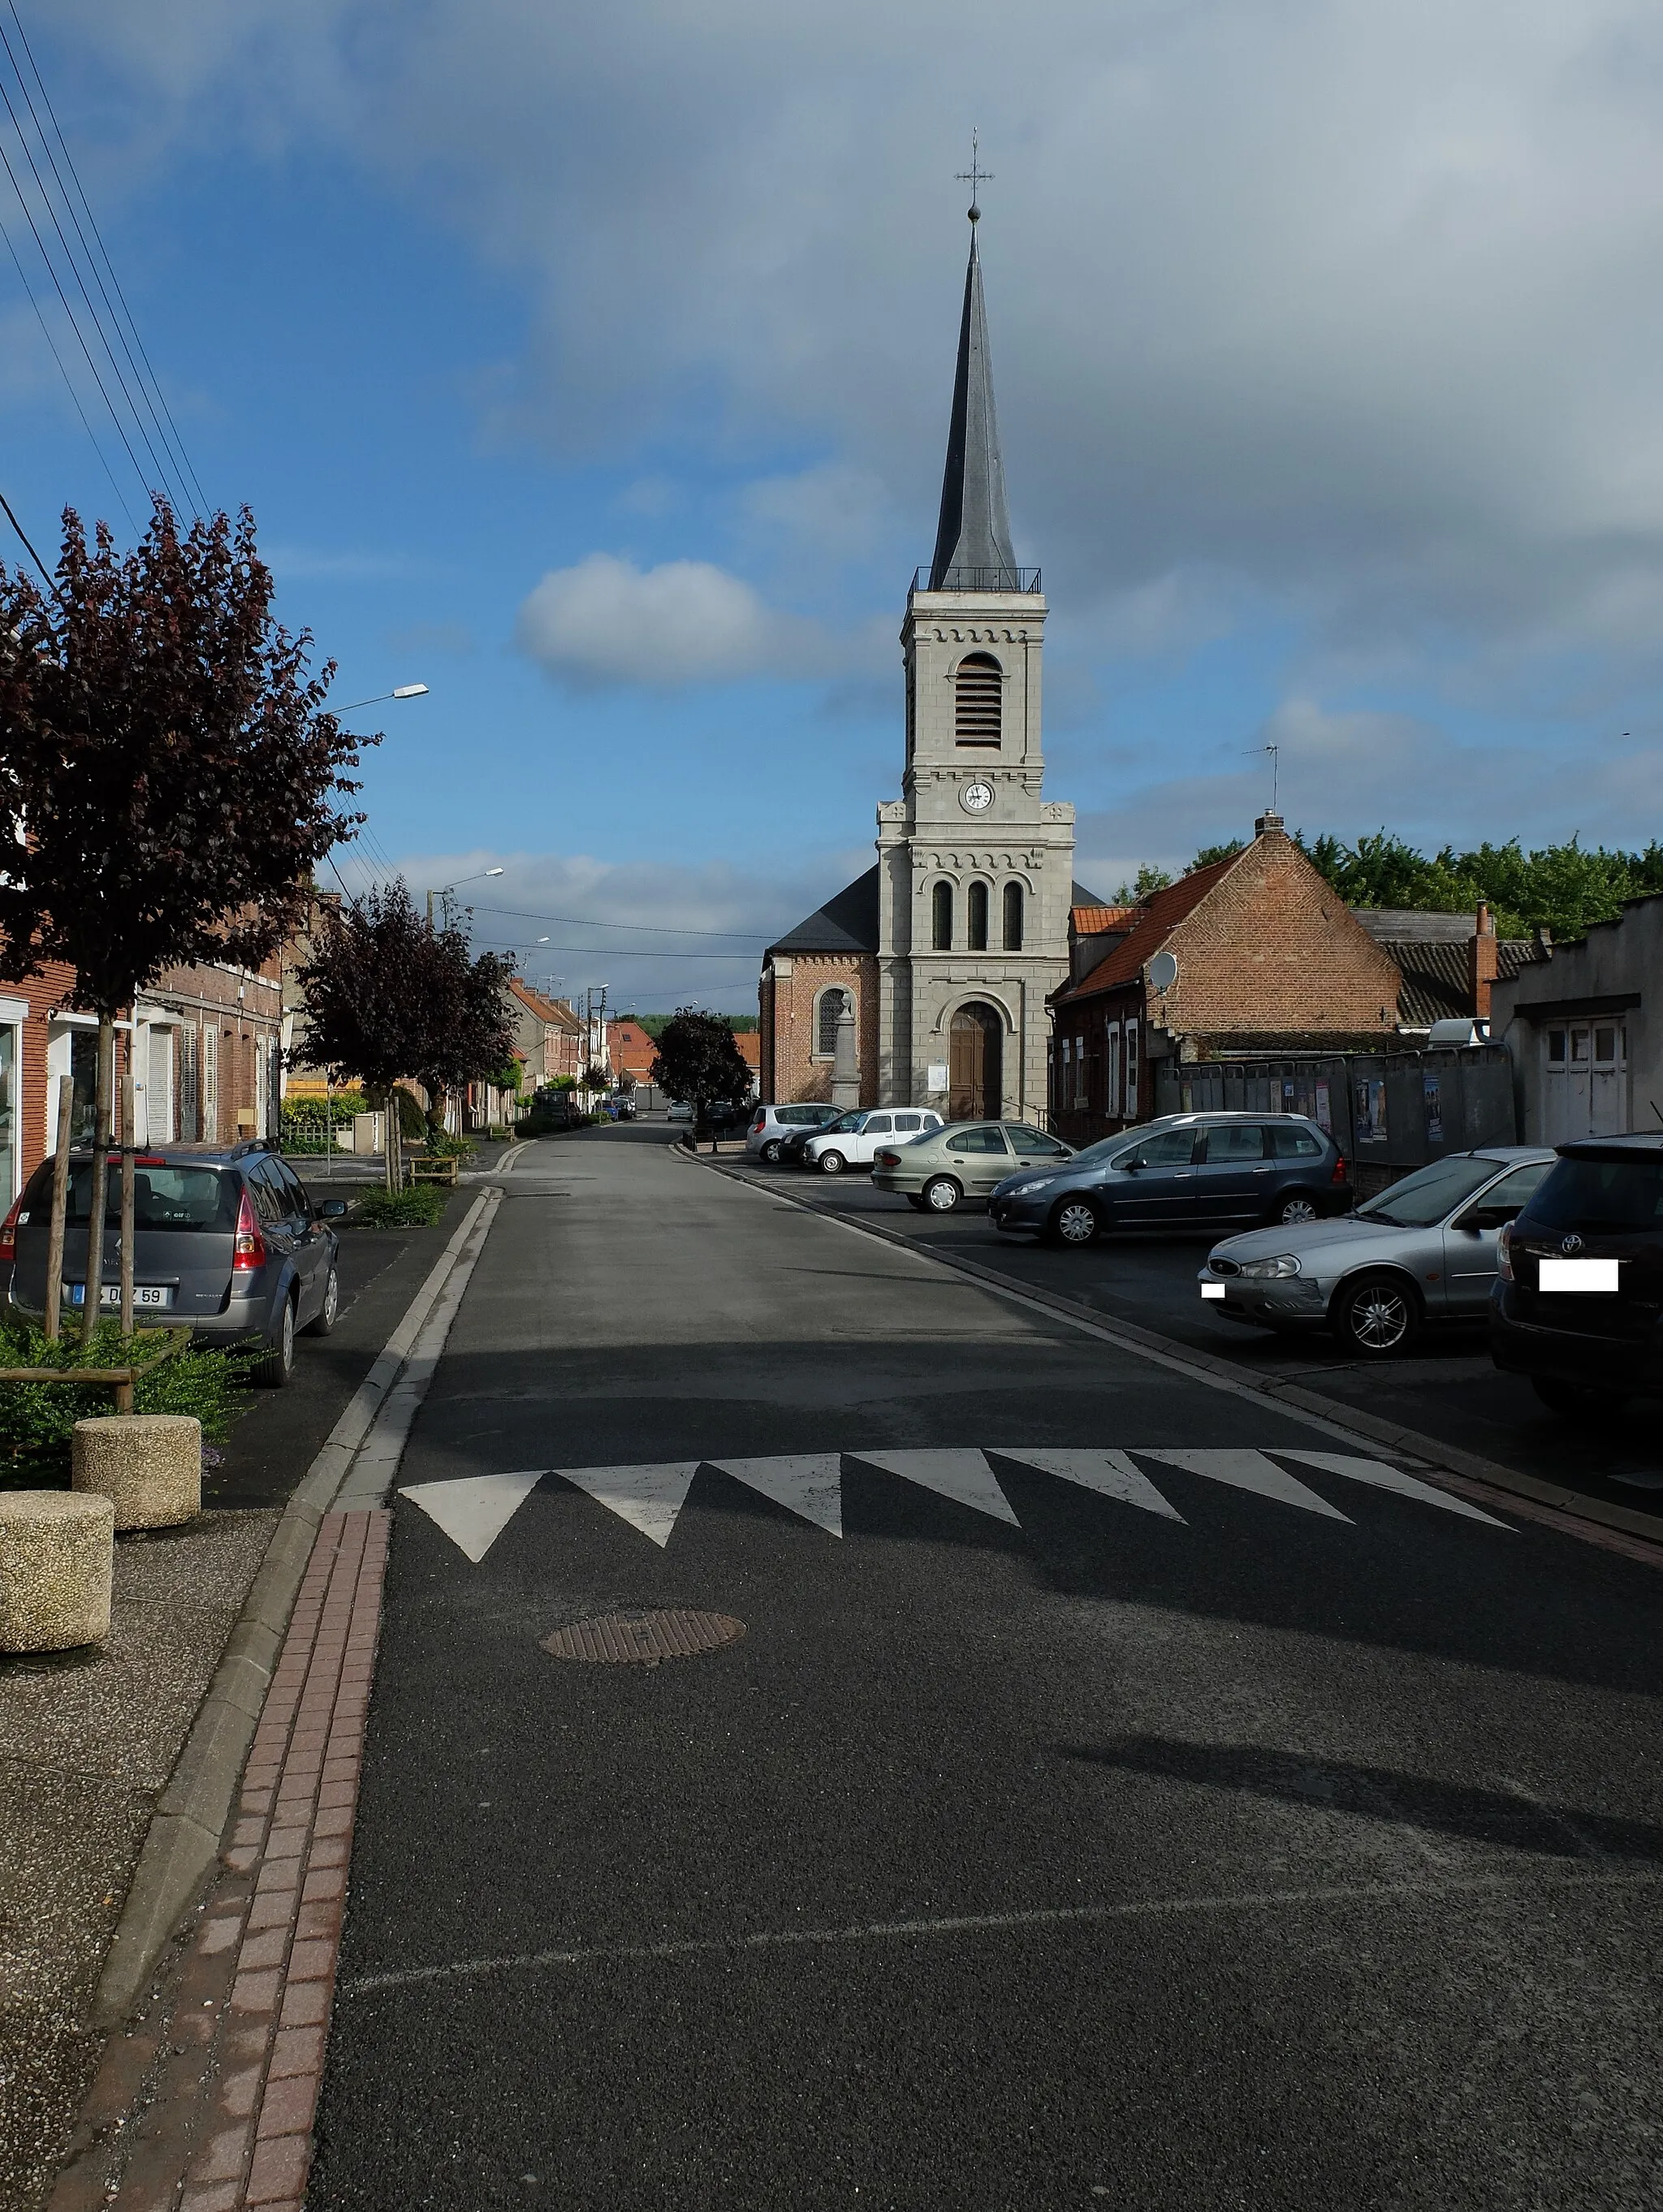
(975, 865)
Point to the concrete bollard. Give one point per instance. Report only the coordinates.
(148, 1465)
(57, 1563)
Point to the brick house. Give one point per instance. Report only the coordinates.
(207, 1043)
(630, 1051)
(807, 976)
(1257, 954)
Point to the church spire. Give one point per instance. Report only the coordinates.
(973, 540)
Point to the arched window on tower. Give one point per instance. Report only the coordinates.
(941, 917)
(976, 911)
(1013, 917)
(978, 700)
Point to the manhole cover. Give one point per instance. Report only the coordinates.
(642, 1639)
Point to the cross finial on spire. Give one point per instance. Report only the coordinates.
(975, 175)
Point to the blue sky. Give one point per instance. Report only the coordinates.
(1326, 357)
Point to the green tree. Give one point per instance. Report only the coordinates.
(698, 1060)
(1149, 880)
(1211, 854)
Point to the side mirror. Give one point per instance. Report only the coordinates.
(332, 1209)
(1480, 1218)
(1129, 1167)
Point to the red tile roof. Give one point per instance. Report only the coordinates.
(546, 1009)
(1153, 922)
(1093, 921)
(749, 1042)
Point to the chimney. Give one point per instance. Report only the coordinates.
(1268, 825)
(1481, 961)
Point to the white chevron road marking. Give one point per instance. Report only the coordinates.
(808, 1483)
(474, 1512)
(1245, 1470)
(1110, 1473)
(963, 1476)
(1377, 1473)
(648, 1497)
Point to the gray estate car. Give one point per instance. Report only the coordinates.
(1180, 1171)
(227, 1241)
(1425, 1250)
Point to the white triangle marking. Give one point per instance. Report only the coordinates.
(808, 1483)
(1382, 1477)
(474, 1512)
(1111, 1473)
(1245, 1469)
(963, 1476)
(648, 1497)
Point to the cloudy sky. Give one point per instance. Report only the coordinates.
(591, 365)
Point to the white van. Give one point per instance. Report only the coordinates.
(852, 1140)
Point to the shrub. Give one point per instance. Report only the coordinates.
(418, 1207)
(37, 1418)
(444, 1146)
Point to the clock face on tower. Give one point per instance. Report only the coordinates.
(976, 798)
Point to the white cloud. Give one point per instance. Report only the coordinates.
(605, 620)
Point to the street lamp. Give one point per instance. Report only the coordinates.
(443, 888)
(399, 691)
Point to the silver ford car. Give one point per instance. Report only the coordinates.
(1425, 1250)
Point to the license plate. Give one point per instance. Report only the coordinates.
(1212, 1290)
(145, 1294)
(1579, 1275)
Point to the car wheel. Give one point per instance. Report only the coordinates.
(831, 1164)
(914, 1200)
(275, 1369)
(1074, 1221)
(942, 1195)
(1298, 1206)
(771, 1153)
(1378, 1316)
(324, 1320)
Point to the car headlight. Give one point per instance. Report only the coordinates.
(1040, 1182)
(1284, 1264)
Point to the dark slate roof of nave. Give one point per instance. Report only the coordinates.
(847, 923)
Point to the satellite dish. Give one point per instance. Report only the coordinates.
(1163, 972)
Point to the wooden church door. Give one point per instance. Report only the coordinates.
(975, 1065)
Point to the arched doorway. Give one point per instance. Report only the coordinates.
(975, 1069)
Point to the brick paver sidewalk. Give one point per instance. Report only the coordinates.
(206, 2104)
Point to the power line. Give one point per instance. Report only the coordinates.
(616, 952)
(69, 381)
(28, 548)
(178, 443)
(588, 921)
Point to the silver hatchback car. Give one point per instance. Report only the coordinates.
(228, 1244)
(1425, 1250)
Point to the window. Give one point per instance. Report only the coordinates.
(1290, 1143)
(1034, 1144)
(1579, 1048)
(1173, 1148)
(976, 912)
(211, 1085)
(174, 1197)
(1013, 917)
(187, 1084)
(978, 700)
(909, 1124)
(876, 1125)
(1111, 1087)
(1131, 1071)
(832, 1003)
(1556, 1048)
(1234, 1140)
(941, 917)
(988, 1138)
(270, 1199)
(8, 1114)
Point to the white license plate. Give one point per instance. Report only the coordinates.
(1212, 1290)
(1579, 1274)
(145, 1294)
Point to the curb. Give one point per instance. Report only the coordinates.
(1619, 1528)
(186, 1830)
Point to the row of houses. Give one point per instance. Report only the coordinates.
(1251, 981)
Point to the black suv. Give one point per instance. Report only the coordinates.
(1578, 1302)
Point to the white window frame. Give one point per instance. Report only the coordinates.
(1132, 1069)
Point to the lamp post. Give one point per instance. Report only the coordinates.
(398, 691)
(443, 888)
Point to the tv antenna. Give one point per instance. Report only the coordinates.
(1276, 765)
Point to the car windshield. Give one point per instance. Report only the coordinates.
(1607, 1196)
(1427, 1196)
(164, 1197)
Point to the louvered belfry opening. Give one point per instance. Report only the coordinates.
(978, 700)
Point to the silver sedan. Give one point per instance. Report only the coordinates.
(1425, 1250)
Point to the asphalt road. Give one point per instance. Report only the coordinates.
(1448, 1387)
(1235, 1833)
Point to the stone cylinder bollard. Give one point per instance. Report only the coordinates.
(56, 1562)
(148, 1465)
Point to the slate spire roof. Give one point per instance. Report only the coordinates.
(973, 539)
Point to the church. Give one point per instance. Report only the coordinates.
(925, 981)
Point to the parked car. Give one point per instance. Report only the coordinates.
(228, 1242)
(771, 1126)
(726, 1114)
(1425, 1250)
(1578, 1301)
(680, 1109)
(853, 1140)
(961, 1159)
(1184, 1170)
